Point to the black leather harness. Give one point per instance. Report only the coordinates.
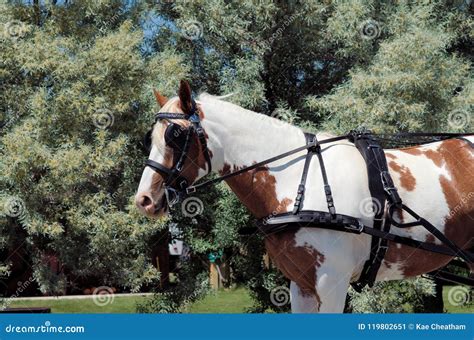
(385, 199)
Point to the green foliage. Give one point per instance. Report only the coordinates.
(393, 297)
(76, 82)
(192, 286)
(73, 112)
(413, 82)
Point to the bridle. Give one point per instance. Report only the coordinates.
(179, 138)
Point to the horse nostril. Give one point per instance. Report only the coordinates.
(144, 201)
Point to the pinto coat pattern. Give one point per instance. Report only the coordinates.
(435, 180)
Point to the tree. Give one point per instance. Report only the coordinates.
(76, 99)
(73, 109)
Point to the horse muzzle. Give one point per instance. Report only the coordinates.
(150, 207)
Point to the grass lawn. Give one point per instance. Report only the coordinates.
(120, 304)
(224, 301)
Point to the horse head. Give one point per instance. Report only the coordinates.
(178, 154)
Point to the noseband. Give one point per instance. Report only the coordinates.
(179, 139)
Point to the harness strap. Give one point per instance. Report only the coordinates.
(374, 158)
(466, 256)
(441, 135)
(202, 140)
(345, 223)
(182, 155)
(170, 115)
(158, 167)
(301, 188)
(196, 187)
(327, 187)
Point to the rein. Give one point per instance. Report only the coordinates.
(175, 193)
(315, 143)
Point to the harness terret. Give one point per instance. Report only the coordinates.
(385, 199)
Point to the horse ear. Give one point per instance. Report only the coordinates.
(185, 96)
(160, 98)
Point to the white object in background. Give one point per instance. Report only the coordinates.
(176, 247)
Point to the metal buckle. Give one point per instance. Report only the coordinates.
(199, 131)
(190, 190)
(172, 196)
(387, 182)
(183, 184)
(357, 228)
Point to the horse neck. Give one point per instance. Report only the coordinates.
(238, 138)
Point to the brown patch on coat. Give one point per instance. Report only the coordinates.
(456, 157)
(415, 151)
(407, 180)
(193, 162)
(256, 189)
(299, 264)
(390, 155)
(435, 156)
(458, 191)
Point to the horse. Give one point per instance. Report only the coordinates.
(433, 179)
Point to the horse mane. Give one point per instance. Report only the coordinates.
(262, 118)
(230, 107)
